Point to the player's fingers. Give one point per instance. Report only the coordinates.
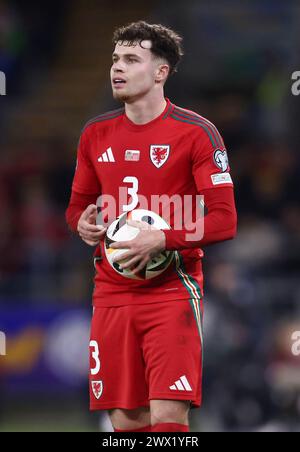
(121, 245)
(142, 225)
(123, 256)
(92, 218)
(84, 226)
(130, 263)
(92, 208)
(140, 267)
(92, 236)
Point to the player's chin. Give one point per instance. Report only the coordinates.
(121, 96)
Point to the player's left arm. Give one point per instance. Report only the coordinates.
(211, 172)
(218, 225)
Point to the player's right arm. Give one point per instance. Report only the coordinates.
(81, 218)
(81, 213)
(87, 228)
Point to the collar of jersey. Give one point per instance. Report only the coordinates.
(141, 127)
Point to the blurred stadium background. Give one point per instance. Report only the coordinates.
(237, 72)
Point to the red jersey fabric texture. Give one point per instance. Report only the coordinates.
(114, 153)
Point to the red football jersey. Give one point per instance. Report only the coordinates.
(178, 153)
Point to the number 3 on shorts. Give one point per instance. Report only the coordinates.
(95, 356)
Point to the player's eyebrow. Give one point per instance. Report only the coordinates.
(127, 55)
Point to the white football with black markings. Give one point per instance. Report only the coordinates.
(120, 231)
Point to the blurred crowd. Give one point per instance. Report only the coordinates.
(252, 290)
(13, 41)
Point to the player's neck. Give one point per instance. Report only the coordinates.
(145, 110)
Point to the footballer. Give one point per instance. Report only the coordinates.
(146, 342)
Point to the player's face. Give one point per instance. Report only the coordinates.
(133, 72)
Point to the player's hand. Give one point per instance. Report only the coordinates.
(87, 228)
(147, 244)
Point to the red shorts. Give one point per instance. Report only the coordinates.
(144, 352)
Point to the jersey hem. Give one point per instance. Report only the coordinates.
(121, 405)
(139, 301)
(195, 401)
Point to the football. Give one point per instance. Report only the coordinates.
(120, 231)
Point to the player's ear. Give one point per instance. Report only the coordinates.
(162, 73)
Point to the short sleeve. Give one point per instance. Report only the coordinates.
(210, 164)
(85, 178)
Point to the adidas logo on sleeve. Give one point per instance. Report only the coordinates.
(181, 385)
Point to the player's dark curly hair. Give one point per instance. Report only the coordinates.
(166, 43)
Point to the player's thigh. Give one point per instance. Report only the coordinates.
(172, 349)
(130, 419)
(117, 373)
(169, 411)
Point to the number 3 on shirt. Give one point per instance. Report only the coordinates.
(132, 191)
(95, 356)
